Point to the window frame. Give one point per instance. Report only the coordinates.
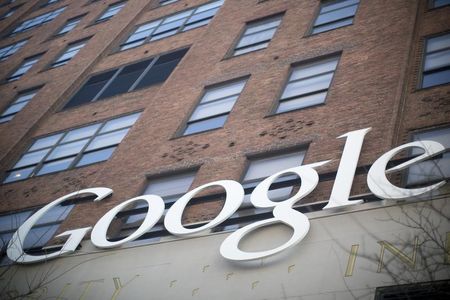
(423, 47)
(410, 154)
(9, 78)
(292, 67)
(11, 11)
(98, 19)
(118, 70)
(13, 46)
(25, 92)
(430, 5)
(231, 52)
(180, 132)
(45, 21)
(310, 29)
(180, 29)
(57, 32)
(53, 63)
(37, 167)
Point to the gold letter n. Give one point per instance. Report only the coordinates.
(410, 261)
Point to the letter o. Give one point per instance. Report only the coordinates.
(234, 197)
(155, 211)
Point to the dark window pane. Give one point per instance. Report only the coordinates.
(90, 89)
(177, 55)
(436, 78)
(125, 79)
(158, 73)
(95, 156)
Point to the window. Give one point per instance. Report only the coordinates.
(308, 85)
(39, 235)
(70, 52)
(182, 21)
(10, 12)
(214, 107)
(127, 78)
(259, 169)
(257, 35)
(9, 50)
(436, 67)
(70, 24)
(170, 188)
(437, 289)
(26, 65)
(22, 99)
(38, 21)
(165, 2)
(334, 14)
(435, 169)
(111, 11)
(438, 3)
(72, 148)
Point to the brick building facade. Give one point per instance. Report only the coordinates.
(313, 71)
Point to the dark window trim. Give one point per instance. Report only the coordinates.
(423, 47)
(16, 96)
(8, 76)
(179, 132)
(50, 66)
(147, 39)
(77, 157)
(55, 33)
(230, 53)
(118, 69)
(97, 19)
(430, 6)
(309, 31)
(292, 66)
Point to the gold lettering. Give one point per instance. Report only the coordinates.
(410, 261)
(351, 261)
(63, 291)
(118, 286)
(88, 286)
(447, 250)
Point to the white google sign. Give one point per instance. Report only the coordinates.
(283, 211)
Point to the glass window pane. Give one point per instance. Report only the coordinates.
(437, 60)
(121, 122)
(55, 166)
(321, 82)
(332, 5)
(80, 133)
(178, 16)
(301, 102)
(262, 25)
(436, 78)
(199, 16)
(107, 139)
(31, 158)
(169, 26)
(331, 26)
(209, 6)
(261, 168)
(125, 79)
(256, 38)
(57, 213)
(90, 89)
(440, 135)
(95, 156)
(223, 91)
(39, 236)
(6, 119)
(18, 174)
(46, 142)
(208, 124)
(72, 148)
(14, 108)
(332, 16)
(314, 68)
(158, 73)
(172, 185)
(250, 48)
(13, 221)
(214, 108)
(195, 25)
(438, 43)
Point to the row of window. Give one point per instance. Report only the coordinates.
(172, 187)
